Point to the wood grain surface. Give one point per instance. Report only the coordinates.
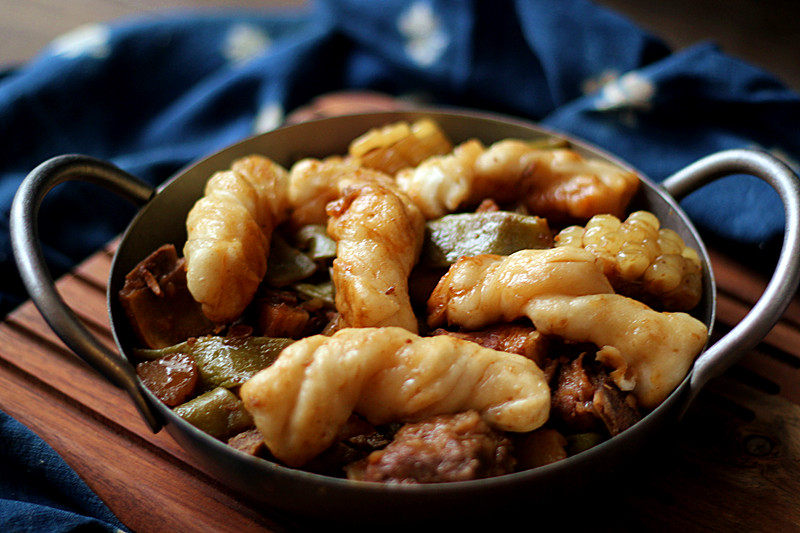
(733, 462)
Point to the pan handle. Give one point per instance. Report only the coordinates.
(781, 288)
(39, 282)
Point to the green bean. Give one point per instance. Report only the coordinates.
(470, 234)
(315, 242)
(218, 412)
(287, 265)
(322, 292)
(225, 361)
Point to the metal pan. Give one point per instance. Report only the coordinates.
(161, 220)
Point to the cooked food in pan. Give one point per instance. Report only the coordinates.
(416, 311)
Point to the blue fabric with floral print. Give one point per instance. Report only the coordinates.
(154, 93)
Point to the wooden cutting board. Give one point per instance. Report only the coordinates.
(734, 461)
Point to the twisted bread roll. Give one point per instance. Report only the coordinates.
(486, 289)
(568, 296)
(641, 259)
(399, 145)
(651, 352)
(441, 183)
(229, 231)
(379, 234)
(387, 375)
(313, 183)
(557, 183)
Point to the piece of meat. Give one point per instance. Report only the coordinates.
(616, 409)
(250, 442)
(282, 320)
(585, 397)
(521, 340)
(550, 367)
(445, 448)
(157, 301)
(173, 378)
(488, 205)
(572, 397)
(282, 314)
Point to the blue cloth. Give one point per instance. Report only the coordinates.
(152, 94)
(39, 492)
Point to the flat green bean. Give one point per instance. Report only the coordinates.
(218, 412)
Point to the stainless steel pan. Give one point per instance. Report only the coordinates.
(162, 220)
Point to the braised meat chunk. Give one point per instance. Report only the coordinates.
(283, 314)
(521, 340)
(585, 399)
(157, 301)
(250, 442)
(572, 397)
(616, 409)
(445, 448)
(172, 378)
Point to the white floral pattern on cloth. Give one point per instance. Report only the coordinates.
(629, 91)
(594, 84)
(245, 42)
(269, 117)
(426, 40)
(90, 40)
(626, 94)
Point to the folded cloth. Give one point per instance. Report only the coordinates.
(39, 492)
(154, 93)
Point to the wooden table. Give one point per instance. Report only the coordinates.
(732, 463)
